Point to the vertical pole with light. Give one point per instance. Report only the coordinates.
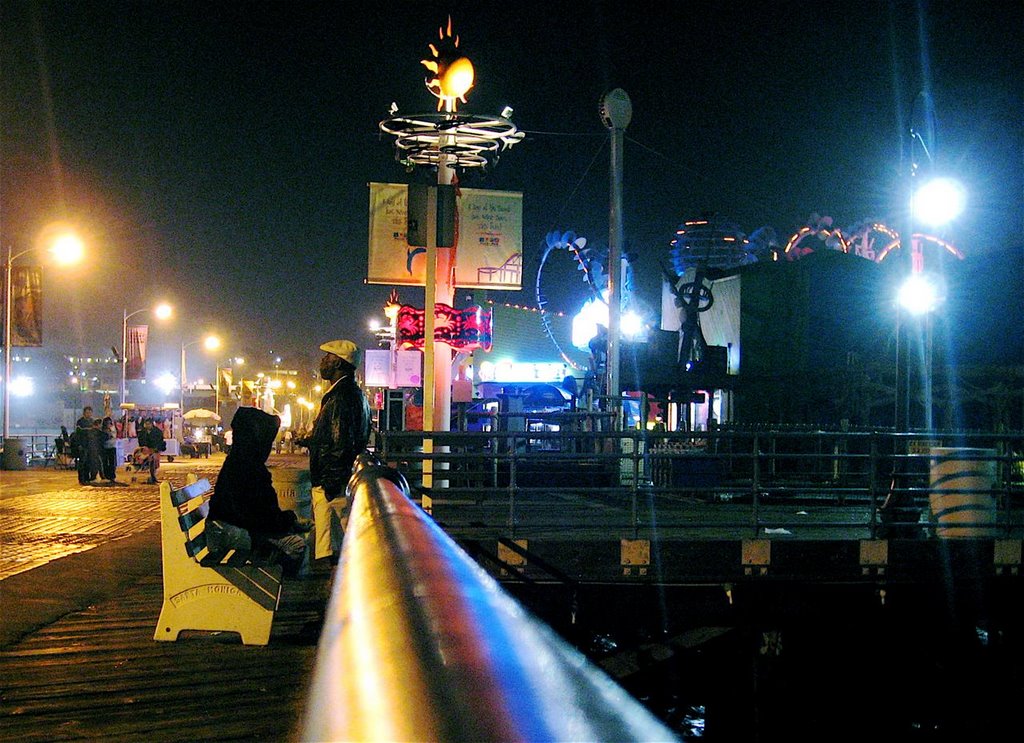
(162, 312)
(616, 113)
(66, 248)
(210, 343)
(445, 140)
(935, 203)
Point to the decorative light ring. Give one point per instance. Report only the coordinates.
(922, 238)
(824, 234)
(711, 241)
(466, 141)
(860, 244)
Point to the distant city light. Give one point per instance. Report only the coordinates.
(22, 387)
(167, 383)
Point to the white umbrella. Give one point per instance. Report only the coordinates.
(201, 416)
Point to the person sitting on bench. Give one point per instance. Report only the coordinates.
(244, 496)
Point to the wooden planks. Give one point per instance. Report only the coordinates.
(99, 674)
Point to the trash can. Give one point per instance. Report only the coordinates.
(294, 493)
(960, 494)
(14, 455)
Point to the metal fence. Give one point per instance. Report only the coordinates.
(885, 478)
(420, 644)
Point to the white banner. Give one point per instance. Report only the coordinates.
(489, 253)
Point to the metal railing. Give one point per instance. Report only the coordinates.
(419, 643)
(38, 448)
(869, 481)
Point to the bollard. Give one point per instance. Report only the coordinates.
(14, 455)
(960, 495)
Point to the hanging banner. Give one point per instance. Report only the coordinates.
(224, 382)
(463, 330)
(135, 361)
(27, 306)
(489, 251)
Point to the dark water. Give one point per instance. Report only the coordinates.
(808, 663)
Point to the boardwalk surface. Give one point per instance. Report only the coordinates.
(99, 674)
(77, 655)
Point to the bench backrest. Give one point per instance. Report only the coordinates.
(191, 504)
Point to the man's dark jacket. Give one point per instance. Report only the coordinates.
(340, 434)
(152, 438)
(244, 494)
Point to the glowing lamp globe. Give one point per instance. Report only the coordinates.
(456, 79)
(938, 201)
(67, 249)
(918, 295)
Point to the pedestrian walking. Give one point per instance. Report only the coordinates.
(340, 433)
(80, 444)
(109, 444)
(151, 440)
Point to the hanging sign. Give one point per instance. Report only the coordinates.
(464, 329)
(135, 362)
(489, 239)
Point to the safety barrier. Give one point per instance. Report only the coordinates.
(419, 643)
(881, 478)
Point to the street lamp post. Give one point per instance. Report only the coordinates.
(936, 202)
(235, 362)
(66, 248)
(211, 343)
(162, 312)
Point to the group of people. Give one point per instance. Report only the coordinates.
(244, 510)
(94, 446)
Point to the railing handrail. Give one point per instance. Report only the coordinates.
(419, 643)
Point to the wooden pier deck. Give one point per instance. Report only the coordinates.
(98, 674)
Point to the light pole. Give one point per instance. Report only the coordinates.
(235, 361)
(210, 343)
(936, 202)
(616, 112)
(162, 312)
(66, 248)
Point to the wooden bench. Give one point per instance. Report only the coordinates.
(225, 593)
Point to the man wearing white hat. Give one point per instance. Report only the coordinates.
(340, 433)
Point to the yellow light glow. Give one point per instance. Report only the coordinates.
(163, 311)
(290, 384)
(67, 249)
(453, 74)
(211, 343)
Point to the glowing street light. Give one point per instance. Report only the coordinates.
(938, 202)
(66, 248)
(161, 311)
(918, 295)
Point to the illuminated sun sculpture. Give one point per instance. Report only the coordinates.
(450, 74)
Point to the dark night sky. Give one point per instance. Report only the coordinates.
(217, 153)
